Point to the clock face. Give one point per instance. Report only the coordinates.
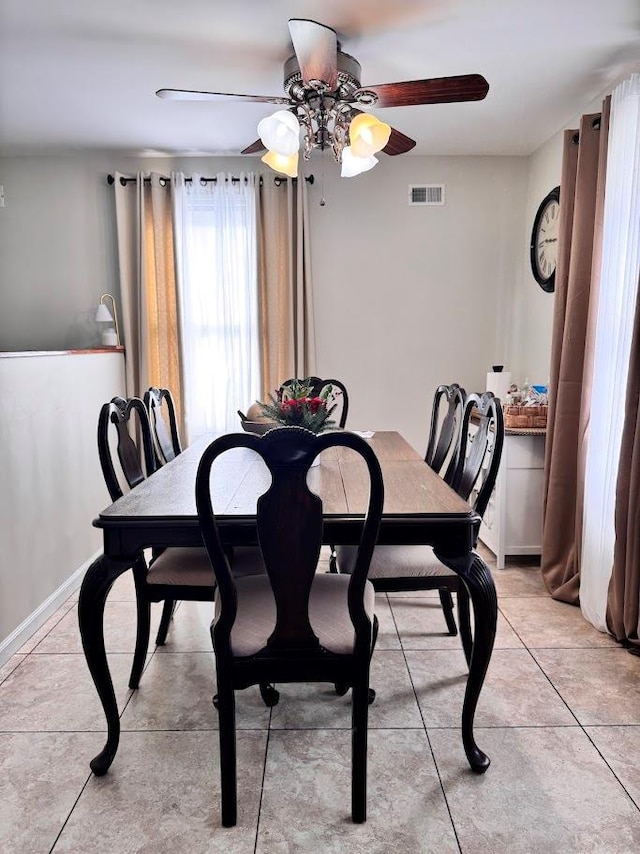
(544, 241)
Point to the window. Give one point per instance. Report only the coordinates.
(216, 251)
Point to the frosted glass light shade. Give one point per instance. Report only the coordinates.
(286, 165)
(280, 133)
(367, 134)
(352, 165)
(103, 315)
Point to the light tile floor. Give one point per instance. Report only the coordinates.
(559, 716)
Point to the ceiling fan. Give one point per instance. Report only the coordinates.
(323, 95)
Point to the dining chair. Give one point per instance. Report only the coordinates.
(441, 456)
(172, 574)
(409, 568)
(341, 397)
(166, 447)
(446, 418)
(291, 624)
(166, 439)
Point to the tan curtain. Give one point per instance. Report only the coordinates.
(284, 282)
(576, 294)
(623, 601)
(148, 286)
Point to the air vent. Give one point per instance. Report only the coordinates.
(426, 194)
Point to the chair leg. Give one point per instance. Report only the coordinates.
(270, 694)
(228, 783)
(143, 630)
(167, 615)
(359, 719)
(333, 561)
(464, 619)
(446, 600)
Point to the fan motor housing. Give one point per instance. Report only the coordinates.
(349, 71)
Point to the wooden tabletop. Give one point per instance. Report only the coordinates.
(240, 476)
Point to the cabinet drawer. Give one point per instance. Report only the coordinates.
(524, 452)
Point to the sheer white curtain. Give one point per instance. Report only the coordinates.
(614, 326)
(215, 236)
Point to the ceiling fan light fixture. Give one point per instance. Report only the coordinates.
(285, 164)
(367, 135)
(280, 133)
(353, 165)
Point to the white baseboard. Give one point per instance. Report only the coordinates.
(28, 627)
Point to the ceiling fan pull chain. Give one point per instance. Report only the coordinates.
(322, 199)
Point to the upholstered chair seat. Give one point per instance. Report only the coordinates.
(400, 562)
(328, 613)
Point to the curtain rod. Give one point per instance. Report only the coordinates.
(164, 181)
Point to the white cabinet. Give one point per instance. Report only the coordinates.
(512, 523)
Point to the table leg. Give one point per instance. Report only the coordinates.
(477, 578)
(95, 587)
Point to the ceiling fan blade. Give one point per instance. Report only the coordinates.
(316, 49)
(254, 148)
(398, 143)
(190, 95)
(438, 90)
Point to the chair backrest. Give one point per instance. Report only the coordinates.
(444, 435)
(289, 527)
(128, 417)
(480, 453)
(339, 396)
(166, 440)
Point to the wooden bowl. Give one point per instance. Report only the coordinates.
(257, 427)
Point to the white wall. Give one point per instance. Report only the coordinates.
(405, 297)
(52, 485)
(410, 297)
(57, 245)
(531, 309)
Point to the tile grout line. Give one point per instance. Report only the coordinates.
(264, 774)
(75, 804)
(582, 728)
(413, 688)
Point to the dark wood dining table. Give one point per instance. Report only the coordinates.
(419, 508)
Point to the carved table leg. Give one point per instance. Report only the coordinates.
(95, 587)
(482, 591)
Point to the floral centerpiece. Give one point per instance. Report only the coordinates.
(296, 405)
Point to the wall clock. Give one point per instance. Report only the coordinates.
(544, 241)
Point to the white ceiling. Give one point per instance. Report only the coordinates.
(83, 73)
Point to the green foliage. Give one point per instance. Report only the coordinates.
(295, 406)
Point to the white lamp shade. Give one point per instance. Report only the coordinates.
(352, 165)
(103, 315)
(367, 134)
(280, 133)
(286, 165)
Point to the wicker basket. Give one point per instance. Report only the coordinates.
(525, 417)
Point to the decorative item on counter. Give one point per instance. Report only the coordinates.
(110, 336)
(525, 417)
(541, 392)
(526, 407)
